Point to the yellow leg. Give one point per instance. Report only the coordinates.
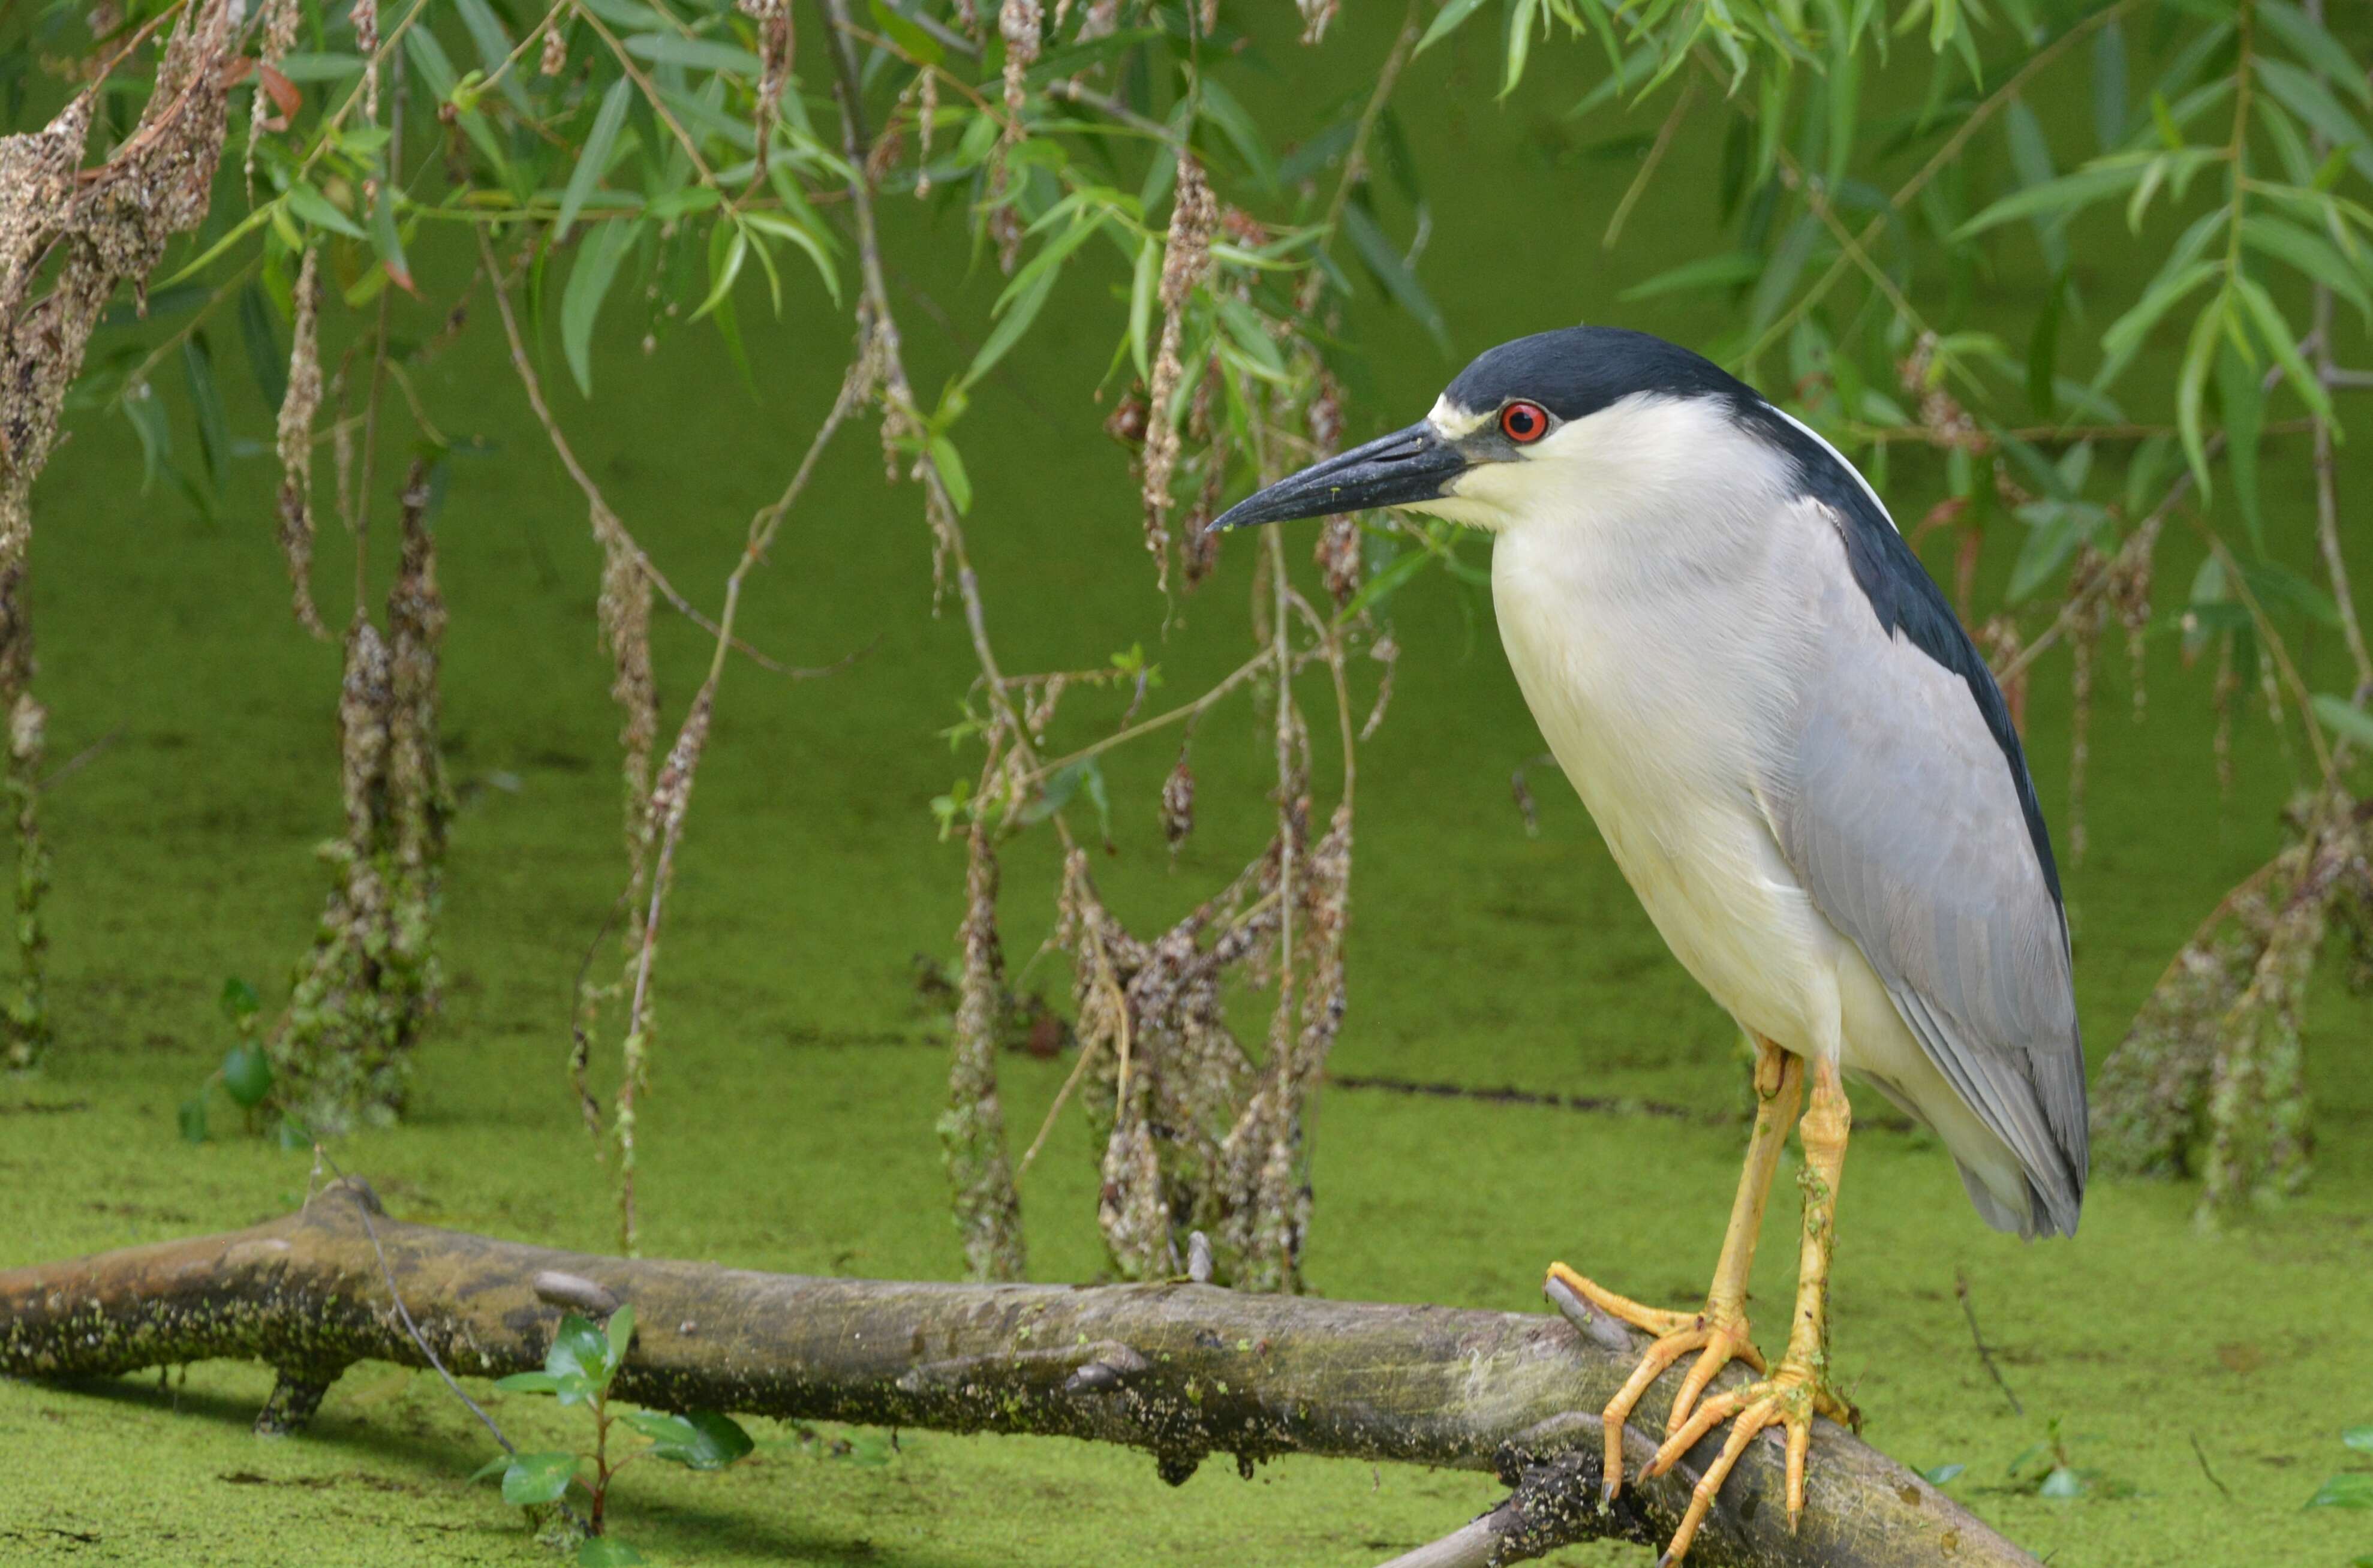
(1719, 1333)
(1800, 1389)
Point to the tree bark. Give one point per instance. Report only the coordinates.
(1180, 1370)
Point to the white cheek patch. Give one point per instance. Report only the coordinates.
(1453, 423)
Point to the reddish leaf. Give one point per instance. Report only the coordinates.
(284, 92)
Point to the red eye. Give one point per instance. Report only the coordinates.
(1524, 423)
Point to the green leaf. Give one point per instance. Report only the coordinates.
(2243, 400)
(532, 1480)
(437, 73)
(2353, 1489)
(239, 1001)
(594, 162)
(2109, 107)
(2199, 357)
(213, 428)
(264, 360)
(589, 284)
(246, 1074)
(580, 1351)
(698, 53)
(1943, 1474)
(2312, 102)
(728, 247)
(1048, 259)
(434, 65)
(811, 239)
(1780, 273)
(494, 46)
(192, 1118)
(606, 1552)
(384, 238)
(2055, 529)
(2359, 1438)
(1444, 22)
(2068, 195)
(1519, 42)
(2278, 588)
(2062, 1483)
(2355, 725)
(1009, 327)
(1393, 273)
(1062, 785)
(2309, 253)
(627, 14)
(1142, 282)
(1382, 584)
(2126, 333)
(620, 1332)
(300, 66)
(700, 1440)
(141, 406)
(2043, 350)
(1725, 271)
(2030, 159)
(528, 1383)
(1244, 329)
(237, 232)
(912, 40)
(2317, 48)
(950, 463)
(2283, 344)
(492, 1468)
(321, 212)
(1217, 105)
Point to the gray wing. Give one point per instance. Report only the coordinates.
(1905, 808)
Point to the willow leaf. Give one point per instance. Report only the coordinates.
(588, 285)
(1445, 20)
(2063, 197)
(594, 162)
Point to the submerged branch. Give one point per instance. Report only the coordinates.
(1180, 1370)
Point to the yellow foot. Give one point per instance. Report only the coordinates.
(1718, 1334)
(1790, 1398)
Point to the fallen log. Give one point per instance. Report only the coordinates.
(1180, 1370)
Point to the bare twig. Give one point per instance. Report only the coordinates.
(1969, 1311)
(533, 386)
(2202, 1455)
(1355, 156)
(81, 759)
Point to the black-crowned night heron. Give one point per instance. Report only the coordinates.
(1807, 774)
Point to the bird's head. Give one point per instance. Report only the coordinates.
(1529, 423)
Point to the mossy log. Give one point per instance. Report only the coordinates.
(1180, 1370)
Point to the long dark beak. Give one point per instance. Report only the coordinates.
(1408, 465)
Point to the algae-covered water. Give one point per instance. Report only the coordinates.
(2201, 1381)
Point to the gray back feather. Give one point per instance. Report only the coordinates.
(1901, 813)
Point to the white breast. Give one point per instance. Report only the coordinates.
(1653, 654)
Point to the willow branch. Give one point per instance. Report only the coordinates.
(533, 386)
(882, 325)
(1179, 1370)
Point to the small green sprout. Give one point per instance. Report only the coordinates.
(579, 1369)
